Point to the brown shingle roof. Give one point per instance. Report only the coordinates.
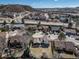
(17, 37)
(59, 44)
(69, 46)
(2, 40)
(2, 34)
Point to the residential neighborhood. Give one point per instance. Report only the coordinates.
(38, 33)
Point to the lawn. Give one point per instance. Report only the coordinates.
(37, 52)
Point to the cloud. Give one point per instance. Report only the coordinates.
(56, 0)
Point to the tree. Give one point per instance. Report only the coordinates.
(70, 17)
(39, 23)
(22, 21)
(0, 56)
(61, 36)
(61, 29)
(66, 20)
(4, 23)
(26, 53)
(56, 17)
(49, 28)
(13, 22)
(30, 43)
(70, 25)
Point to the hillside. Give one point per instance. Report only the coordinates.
(15, 8)
(64, 10)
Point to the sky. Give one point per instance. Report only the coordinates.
(44, 3)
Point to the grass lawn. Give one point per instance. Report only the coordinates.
(38, 51)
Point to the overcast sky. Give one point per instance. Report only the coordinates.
(44, 3)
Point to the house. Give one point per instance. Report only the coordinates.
(2, 19)
(53, 15)
(64, 18)
(15, 46)
(41, 37)
(40, 45)
(2, 41)
(70, 32)
(55, 28)
(46, 15)
(15, 26)
(66, 46)
(69, 47)
(11, 14)
(77, 32)
(77, 27)
(15, 42)
(38, 37)
(59, 45)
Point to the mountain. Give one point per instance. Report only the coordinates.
(15, 8)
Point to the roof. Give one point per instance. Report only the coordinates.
(55, 28)
(69, 46)
(52, 37)
(70, 30)
(2, 34)
(2, 40)
(38, 35)
(72, 39)
(59, 44)
(18, 38)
